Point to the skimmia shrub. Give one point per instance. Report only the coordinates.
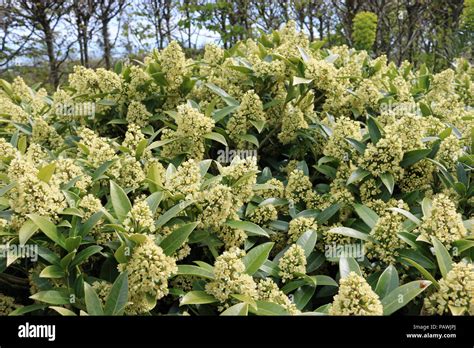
(273, 178)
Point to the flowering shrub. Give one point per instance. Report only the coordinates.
(359, 201)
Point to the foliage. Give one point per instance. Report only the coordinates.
(353, 180)
(364, 30)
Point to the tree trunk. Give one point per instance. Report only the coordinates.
(53, 67)
(107, 48)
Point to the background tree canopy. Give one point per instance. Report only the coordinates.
(41, 40)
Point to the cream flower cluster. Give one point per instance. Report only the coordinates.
(293, 119)
(300, 225)
(385, 238)
(443, 222)
(355, 297)
(186, 181)
(250, 109)
(192, 125)
(384, 157)
(7, 305)
(217, 206)
(230, 277)
(299, 187)
(138, 114)
(264, 214)
(292, 262)
(91, 82)
(102, 289)
(98, 148)
(139, 219)
(33, 195)
(148, 272)
(268, 291)
(337, 146)
(456, 291)
(242, 174)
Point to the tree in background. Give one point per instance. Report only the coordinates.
(42, 18)
(82, 16)
(49, 36)
(364, 30)
(467, 24)
(107, 10)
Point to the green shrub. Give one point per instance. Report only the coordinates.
(272, 178)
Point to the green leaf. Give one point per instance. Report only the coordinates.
(455, 311)
(27, 309)
(55, 297)
(72, 243)
(47, 227)
(175, 240)
(407, 214)
(197, 297)
(389, 181)
(72, 212)
(101, 170)
(249, 138)
(402, 295)
(307, 241)
(348, 265)
(426, 207)
(374, 130)
(195, 271)
(85, 254)
(90, 223)
(411, 157)
(7, 188)
(424, 272)
(256, 257)
(328, 213)
(63, 311)
(142, 145)
(249, 227)
(221, 113)
(367, 215)
(301, 81)
(160, 143)
(172, 212)
(357, 175)
(26, 231)
(120, 201)
(66, 260)
(445, 262)
(360, 147)
(45, 173)
(350, 232)
(425, 109)
(238, 309)
(269, 308)
(259, 125)
(154, 201)
(216, 137)
(223, 94)
(388, 281)
(93, 303)
(325, 280)
(52, 271)
(273, 201)
(118, 296)
(303, 295)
